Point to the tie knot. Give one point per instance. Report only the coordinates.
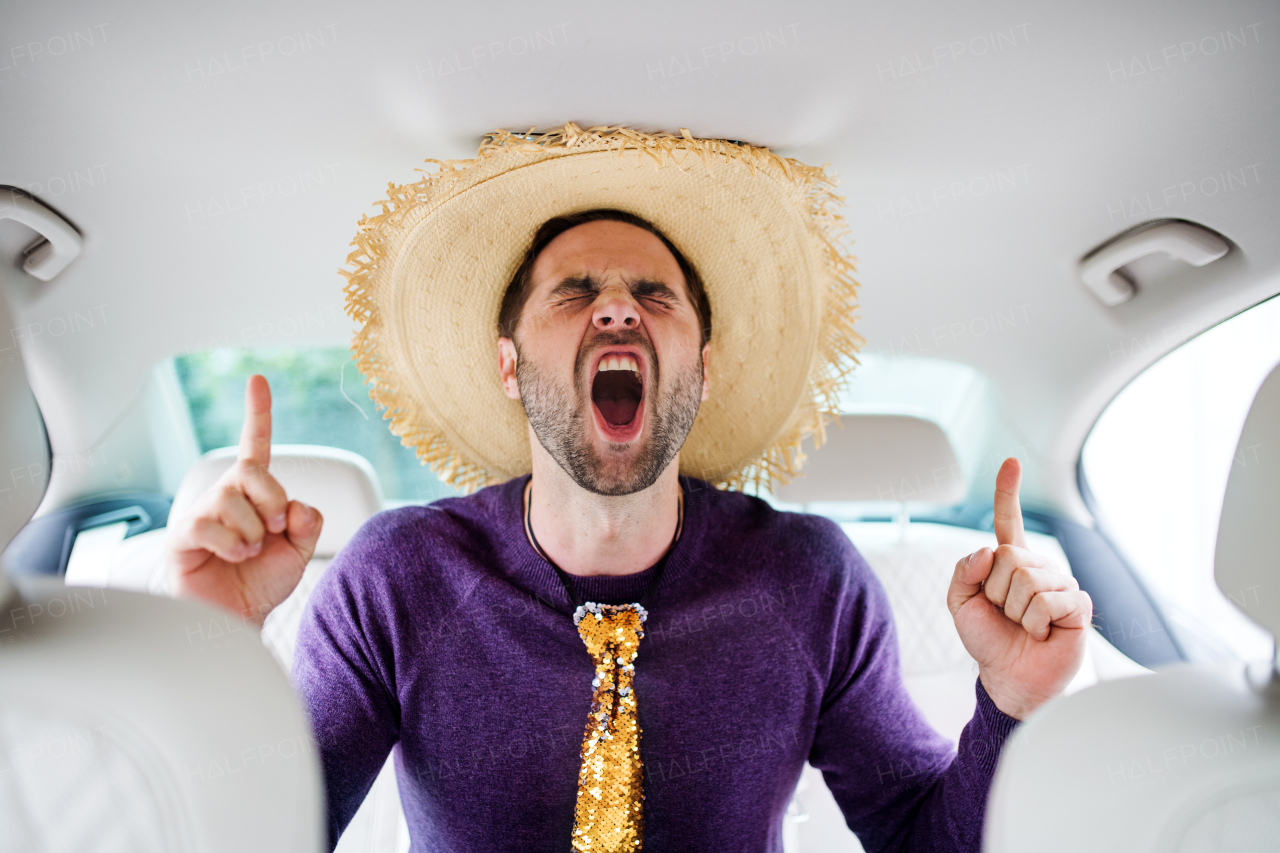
(612, 633)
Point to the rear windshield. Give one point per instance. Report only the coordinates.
(317, 397)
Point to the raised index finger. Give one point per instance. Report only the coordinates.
(255, 435)
(1008, 512)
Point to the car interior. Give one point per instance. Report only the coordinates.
(1065, 220)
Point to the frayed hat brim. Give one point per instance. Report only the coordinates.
(428, 273)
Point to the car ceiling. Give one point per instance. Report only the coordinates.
(216, 158)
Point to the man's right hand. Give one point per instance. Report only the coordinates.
(243, 545)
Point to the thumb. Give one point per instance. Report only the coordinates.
(303, 528)
(967, 580)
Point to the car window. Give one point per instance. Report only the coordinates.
(318, 397)
(1157, 463)
(957, 397)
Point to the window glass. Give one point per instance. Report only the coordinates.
(317, 397)
(1157, 463)
(957, 397)
(89, 563)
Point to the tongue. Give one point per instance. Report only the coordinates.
(616, 394)
(618, 412)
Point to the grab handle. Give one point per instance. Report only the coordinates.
(1101, 269)
(61, 244)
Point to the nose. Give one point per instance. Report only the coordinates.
(615, 310)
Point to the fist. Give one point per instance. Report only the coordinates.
(1022, 619)
(243, 545)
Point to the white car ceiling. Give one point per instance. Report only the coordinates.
(983, 150)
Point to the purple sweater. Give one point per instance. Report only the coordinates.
(440, 633)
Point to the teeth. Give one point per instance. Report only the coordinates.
(616, 362)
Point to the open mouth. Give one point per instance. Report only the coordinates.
(617, 392)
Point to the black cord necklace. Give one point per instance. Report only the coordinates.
(564, 576)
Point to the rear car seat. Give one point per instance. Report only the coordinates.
(125, 725)
(914, 561)
(881, 458)
(345, 488)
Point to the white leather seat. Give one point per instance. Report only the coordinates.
(880, 457)
(130, 722)
(342, 484)
(125, 725)
(345, 488)
(1186, 759)
(915, 562)
(905, 458)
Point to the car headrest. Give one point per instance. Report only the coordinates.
(24, 447)
(1247, 560)
(341, 484)
(879, 458)
(136, 722)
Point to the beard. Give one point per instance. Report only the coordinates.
(562, 420)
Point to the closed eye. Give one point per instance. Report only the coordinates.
(574, 289)
(655, 292)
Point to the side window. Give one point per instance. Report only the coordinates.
(317, 397)
(1157, 463)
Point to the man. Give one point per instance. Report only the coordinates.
(730, 643)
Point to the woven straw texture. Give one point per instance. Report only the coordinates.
(427, 275)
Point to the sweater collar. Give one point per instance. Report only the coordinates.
(529, 566)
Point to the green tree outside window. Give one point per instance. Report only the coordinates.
(317, 398)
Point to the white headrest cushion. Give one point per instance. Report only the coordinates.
(24, 449)
(341, 484)
(879, 458)
(1247, 560)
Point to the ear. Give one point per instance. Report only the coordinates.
(507, 358)
(706, 371)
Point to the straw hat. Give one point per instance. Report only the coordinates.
(428, 273)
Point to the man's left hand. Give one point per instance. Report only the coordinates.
(1021, 618)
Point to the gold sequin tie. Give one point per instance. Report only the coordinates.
(609, 815)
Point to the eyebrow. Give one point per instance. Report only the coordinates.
(579, 284)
